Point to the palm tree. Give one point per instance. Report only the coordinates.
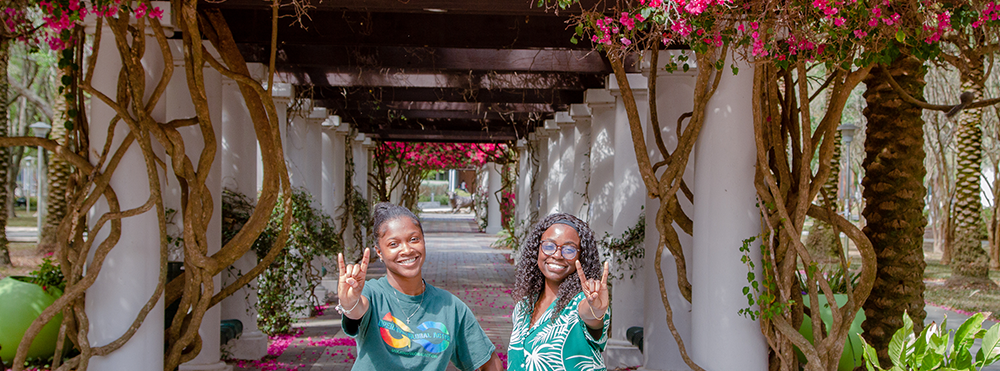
(823, 242)
(970, 262)
(894, 201)
(4, 152)
(59, 173)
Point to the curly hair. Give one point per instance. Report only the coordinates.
(383, 212)
(529, 281)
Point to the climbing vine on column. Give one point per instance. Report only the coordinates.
(133, 101)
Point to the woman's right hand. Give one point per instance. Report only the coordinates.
(350, 284)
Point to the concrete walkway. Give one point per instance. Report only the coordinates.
(460, 260)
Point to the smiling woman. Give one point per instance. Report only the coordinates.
(399, 320)
(561, 318)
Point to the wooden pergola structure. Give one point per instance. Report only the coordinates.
(444, 70)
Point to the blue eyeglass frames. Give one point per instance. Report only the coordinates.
(568, 251)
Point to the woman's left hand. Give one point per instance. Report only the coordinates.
(596, 292)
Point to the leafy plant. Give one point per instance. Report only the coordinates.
(48, 275)
(626, 251)
(931, 351)
(291, 277)
(839, 279)
(761, 292)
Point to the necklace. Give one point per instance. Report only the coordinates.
(423, 291)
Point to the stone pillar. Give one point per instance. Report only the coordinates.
(281, 94)
(523, 207)
(553, 170)
(239, 174)
(567, 163)
(725, 215)
(673, 98)
(602, 154)
(629, 197)
(131, 270)
(579, 204)
(493, 220)
(333, 159)
(179, 105)
(311, 163)
(540, 140)
(313, 154)
(297, 145)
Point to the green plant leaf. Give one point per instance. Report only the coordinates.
(991, 345)
(967, 333)
(898, 346)
(870, 356)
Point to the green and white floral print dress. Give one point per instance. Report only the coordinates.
(563, 344)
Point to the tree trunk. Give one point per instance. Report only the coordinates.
(4, 154)
(894, 202)
(970, 262)
(59, 172)
(823, 242)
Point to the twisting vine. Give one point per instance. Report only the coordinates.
(133, 104)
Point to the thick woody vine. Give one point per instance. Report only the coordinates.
(194, 290)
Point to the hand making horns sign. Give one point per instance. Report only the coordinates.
(349, 286)
(596, 293)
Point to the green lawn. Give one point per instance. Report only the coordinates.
(961, 299)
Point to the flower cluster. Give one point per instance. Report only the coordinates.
(438, 156)
(60, 17)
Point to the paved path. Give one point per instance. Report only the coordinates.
(459, 260)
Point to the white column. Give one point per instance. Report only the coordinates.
(725, 215)
(239, 174)
(312, 154)
(332, 160)
(629, 196)
(523, 193)
(281, 94)
(673, 98)
(130, 271)
(493, 225)
(297, 145)
(553, 171)
(602, 154)
(579, 204)
(540, 140)
(567, 163)
(311, 163)
(180, 105)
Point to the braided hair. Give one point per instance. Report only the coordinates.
(385, 212)
(529, 281)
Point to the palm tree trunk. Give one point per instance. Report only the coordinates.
(823, 242)
(4, 153)
(970, 262)
(894, 202)
(59, 173)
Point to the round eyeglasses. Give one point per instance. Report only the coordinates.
(568, 251)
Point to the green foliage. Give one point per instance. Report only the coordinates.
(930, 349)
(626, 251)
(48, 275)
(839, 279)
(291, 277)
(763, 292)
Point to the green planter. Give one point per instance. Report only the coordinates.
(20, 303)
(851, 357)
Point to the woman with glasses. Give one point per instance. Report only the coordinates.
(561, 317)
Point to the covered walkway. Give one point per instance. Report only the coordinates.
(459, 259)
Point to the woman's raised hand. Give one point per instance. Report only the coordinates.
(596, 292)
(351, 282)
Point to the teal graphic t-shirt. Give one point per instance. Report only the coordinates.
(422, 332)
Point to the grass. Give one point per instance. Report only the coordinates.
(968, 300)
